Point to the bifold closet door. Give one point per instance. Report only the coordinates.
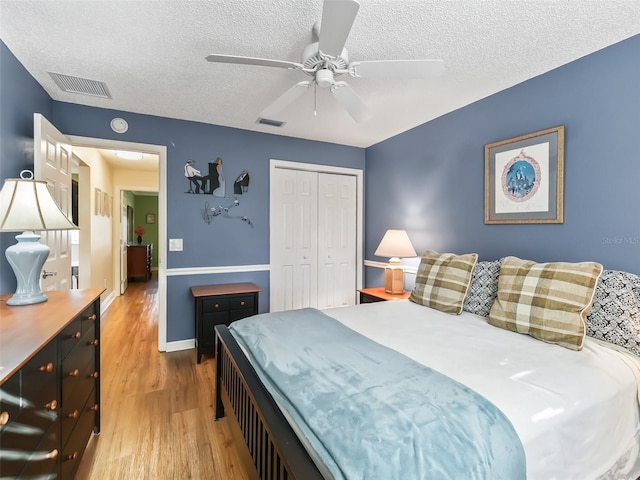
(336, 240)
(313, 240)
(294, 240)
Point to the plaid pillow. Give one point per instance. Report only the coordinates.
(443, 280)
(549, 301)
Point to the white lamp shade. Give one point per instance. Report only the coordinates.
(395, 243)
(28, 205)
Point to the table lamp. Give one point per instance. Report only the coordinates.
(395, 244)
(26, 205)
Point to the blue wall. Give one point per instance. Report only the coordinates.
(20, 97)
(430, 180)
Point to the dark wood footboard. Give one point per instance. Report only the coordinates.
(273, 446)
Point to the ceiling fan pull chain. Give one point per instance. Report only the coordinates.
(315, 99)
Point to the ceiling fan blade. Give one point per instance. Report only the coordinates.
(337, 19)
(397, 68)
(345, 95)
(285, 99)
(263, 62)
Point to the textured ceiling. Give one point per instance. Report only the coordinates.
(150, 54)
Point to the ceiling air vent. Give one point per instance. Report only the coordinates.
(83, 86)
(270, 122)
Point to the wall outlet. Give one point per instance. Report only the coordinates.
(175, 244)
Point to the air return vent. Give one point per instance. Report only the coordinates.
(270, 122)
(80, 85)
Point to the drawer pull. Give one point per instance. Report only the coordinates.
(73, 456)
(74, 373)
(48, 368)
(73, 414)
(4, 418)
(94, 375)
(217, 305)
(76, 335)
(242, 304)
(52, 455)
(95, 408)
(93, 342)
(52, 405)
(92, 317)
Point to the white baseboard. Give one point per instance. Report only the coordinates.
(181, 345)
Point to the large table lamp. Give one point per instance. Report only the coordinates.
(395, 244)
(26, 205)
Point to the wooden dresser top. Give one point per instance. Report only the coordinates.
(24, 329)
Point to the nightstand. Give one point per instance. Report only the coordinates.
(377, 294)
(221, 304)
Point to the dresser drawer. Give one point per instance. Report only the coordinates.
(40, 373)
(88, 318)
(216, 304)
(242, 302)
(44, 460)
(20, 449)
(70, 336)
(77, 442)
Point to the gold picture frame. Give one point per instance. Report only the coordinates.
(524, 178)
(97, 200)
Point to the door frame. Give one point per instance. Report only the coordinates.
(161, 151)
(312, 167)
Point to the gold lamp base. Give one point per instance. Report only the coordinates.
(394, 277)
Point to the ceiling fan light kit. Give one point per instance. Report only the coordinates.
(327, 59)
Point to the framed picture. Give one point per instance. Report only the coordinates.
(524, 178)
(106, 208)
(151, 218)
(97, 200)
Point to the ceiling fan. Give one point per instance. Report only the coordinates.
(327, 59)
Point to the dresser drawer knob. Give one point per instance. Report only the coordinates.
(52, 405)
(76, 335)
(94, 342)
(94, 375)
(48, 368)
(217, 305)
(4, 418)
(92, 317)
(74, 414)
(73, 456)
(74, 373)
(242, 304)
(52, 455)
(95, 408)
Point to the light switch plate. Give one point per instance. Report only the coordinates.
(175, 244)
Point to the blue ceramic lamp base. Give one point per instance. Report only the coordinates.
(27, 258)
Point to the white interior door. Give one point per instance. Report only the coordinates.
(53, 164)
(336, 240)
(294, 243)
(124, 229)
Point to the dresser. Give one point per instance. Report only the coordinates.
(139, 262)
(221, 304)
(49, 383)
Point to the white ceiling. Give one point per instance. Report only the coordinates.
(150, 54)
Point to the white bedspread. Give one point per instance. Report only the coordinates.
(576, 413)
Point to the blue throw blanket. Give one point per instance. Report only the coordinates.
(372, 413)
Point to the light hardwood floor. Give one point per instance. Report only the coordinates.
(157, 408)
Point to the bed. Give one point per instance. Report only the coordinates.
(573, 409)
